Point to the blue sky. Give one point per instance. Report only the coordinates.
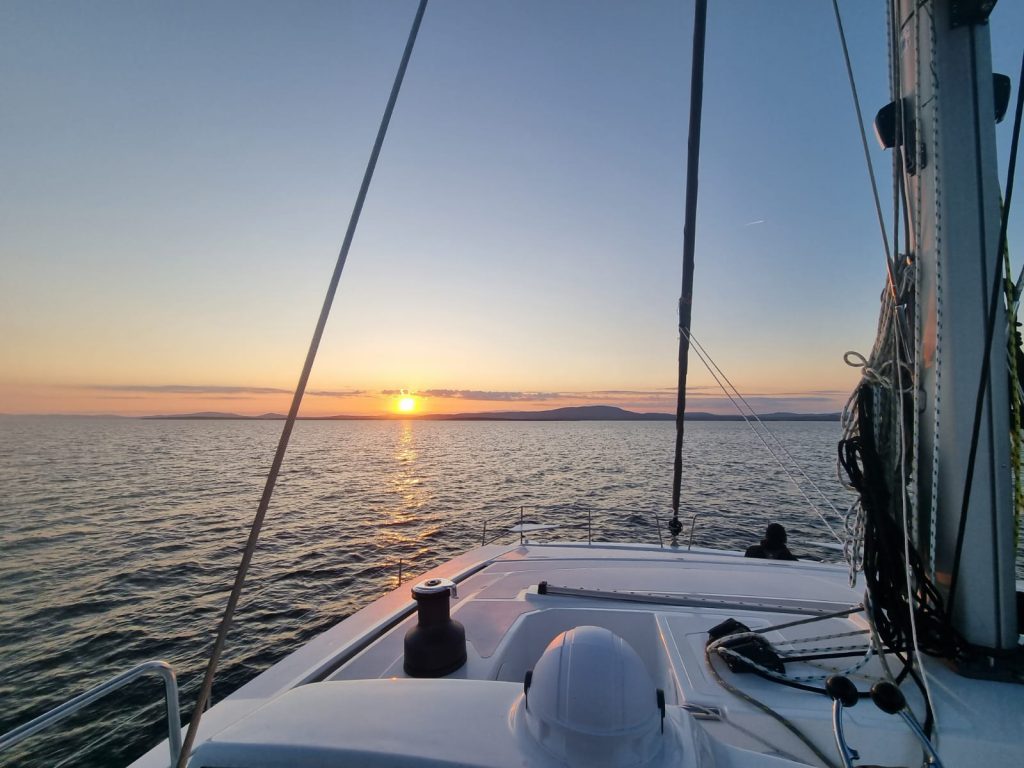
(177, 179)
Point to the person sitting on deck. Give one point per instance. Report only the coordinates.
(772, 546)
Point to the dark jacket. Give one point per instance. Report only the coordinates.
(770, 551)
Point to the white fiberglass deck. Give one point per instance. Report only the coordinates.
(344, 699)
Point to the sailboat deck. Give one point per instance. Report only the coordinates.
(662, 602)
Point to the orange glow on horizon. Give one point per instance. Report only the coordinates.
(362, 400)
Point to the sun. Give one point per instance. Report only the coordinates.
(407, 405)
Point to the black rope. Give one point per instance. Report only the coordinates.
(689, 236)
(906, 670)
(804, 686)
(993, 303)
(884, 562)
(822, 656)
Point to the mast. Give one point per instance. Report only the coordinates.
(943, 54)
(700, 23)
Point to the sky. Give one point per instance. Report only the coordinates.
(176, 180)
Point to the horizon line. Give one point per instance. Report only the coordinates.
(565, 413)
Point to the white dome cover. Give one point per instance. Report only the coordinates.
(591, 701)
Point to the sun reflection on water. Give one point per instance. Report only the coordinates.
(401, 530)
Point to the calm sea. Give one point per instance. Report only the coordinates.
(119, 538)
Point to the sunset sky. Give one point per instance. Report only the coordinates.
(176, 179)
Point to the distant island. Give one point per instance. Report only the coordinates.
(224, 416)
(574, 413)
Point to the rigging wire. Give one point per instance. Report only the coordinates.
(282, 446)
(908, 667)
(764, 426)
(864, 144)
(800, 622)
(775, 456)
(908, 571)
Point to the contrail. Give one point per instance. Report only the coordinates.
(752, 223)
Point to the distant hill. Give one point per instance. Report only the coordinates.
(613, 413)
(218, 415)
(574, 413)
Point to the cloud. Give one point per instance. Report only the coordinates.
(662, 392)
(479, 394)
(186, 389)
(754, 223)
(215, 390)
(654, 398)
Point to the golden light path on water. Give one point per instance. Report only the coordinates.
(410, 493)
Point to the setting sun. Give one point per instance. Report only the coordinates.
(407, 405)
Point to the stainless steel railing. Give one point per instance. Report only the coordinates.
(68, 708)
(561, 515)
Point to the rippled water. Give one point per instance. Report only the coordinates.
(119, 537)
